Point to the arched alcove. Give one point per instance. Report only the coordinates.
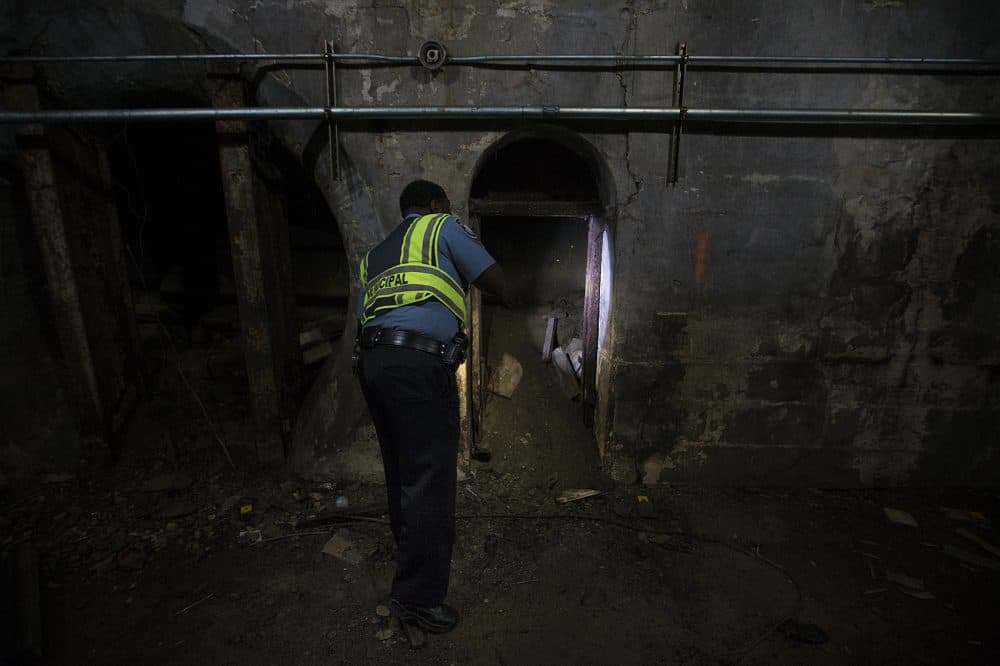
(165, 185)
(541, 202)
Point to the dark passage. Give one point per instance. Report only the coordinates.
(538, 433)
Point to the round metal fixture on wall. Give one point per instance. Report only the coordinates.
(432, 55)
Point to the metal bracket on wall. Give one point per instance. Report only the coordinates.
(332, 129)
(675, 135)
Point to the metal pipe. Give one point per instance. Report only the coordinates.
(972, 63)
(809, 116)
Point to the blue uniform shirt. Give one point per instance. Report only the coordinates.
(460, 254)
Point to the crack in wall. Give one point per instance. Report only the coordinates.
(630, 37)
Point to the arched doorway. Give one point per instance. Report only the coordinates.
(539, 203)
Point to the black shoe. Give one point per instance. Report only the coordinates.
(432, 619)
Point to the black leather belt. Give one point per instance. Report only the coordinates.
(371, 337)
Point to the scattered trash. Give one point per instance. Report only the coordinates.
(192, 605)
(550, 339)
(245, 506)
(909, 585)
(962, 515)
(382, 610)
(897, 517)
(506, 377)
(250, 535)
(971, 558)
(565, 374)
(642, 499)
(341, 502)
(979, 541)
(342, 548)
(574, 350)
(167, 482)
(385, 634)
(810, 634)
(577, 494)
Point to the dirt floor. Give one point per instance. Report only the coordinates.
(156, 560)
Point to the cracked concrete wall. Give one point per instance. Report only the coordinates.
(807, 306)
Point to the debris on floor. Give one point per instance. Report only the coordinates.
(909, 585)
(979, 541)
(897, 517)
(549, 341)
(574, 351)
(343, 548)
(567, 496)
(565, 374)
(506, 377)
(961, 515)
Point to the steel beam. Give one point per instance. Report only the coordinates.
(575, 113)
(599, 59)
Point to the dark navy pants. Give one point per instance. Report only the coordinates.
(413, 401)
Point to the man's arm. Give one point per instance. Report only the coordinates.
(491, 281)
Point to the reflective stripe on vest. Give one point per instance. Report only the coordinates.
(416, 278)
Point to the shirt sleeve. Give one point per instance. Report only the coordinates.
(465, 249)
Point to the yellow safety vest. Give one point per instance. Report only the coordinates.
(416, 278)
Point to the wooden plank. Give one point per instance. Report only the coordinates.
(21, 94)
(98, 257)
(278, 290)
(118, 279)
(591, 316)
(245, 238)
(476, 361)
(533, 208)
(550, 339)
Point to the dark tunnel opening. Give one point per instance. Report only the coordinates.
(169, 194)
(533, 188)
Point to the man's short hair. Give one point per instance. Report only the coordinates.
(420, 194)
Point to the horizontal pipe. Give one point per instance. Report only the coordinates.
(974, 63)
(207, 57)
(809, 116)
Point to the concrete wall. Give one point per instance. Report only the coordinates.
(807, 306)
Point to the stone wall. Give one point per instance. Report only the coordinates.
(807, 305)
